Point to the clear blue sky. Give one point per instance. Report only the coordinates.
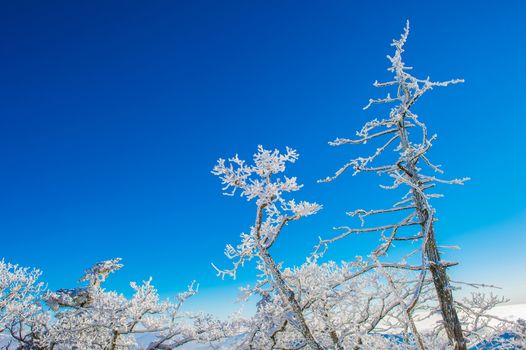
(113, 113)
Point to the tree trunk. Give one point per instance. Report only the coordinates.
(289, 296)
(440, 277)
(445, 295)
(438, 271)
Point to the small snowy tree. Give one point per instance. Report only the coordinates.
(261, 182)
(22, 317)
(403, 131)
(92, 318)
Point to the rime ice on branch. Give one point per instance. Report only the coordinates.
(20, 292)
(261, 182)
(90, 317)
(402, 131)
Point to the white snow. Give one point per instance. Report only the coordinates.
(510, 312)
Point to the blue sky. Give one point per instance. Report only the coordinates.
(112, 115)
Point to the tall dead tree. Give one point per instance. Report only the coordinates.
(403, 132)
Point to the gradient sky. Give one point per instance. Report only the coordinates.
(113, 114)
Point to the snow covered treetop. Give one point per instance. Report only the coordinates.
(262, 181)
(100, 271)
(255, 181)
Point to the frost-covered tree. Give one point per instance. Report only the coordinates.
(350, 306)
(91, 317)
(481, 326)
(263, 183)
(19, 287)
(22, 317)
(402, 130)
(347, 307)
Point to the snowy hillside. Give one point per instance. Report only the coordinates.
(510, 312)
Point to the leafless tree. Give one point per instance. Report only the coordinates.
(402, 131)
(261, 182)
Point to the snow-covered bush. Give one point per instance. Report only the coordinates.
(22, 317)
(90, 317)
